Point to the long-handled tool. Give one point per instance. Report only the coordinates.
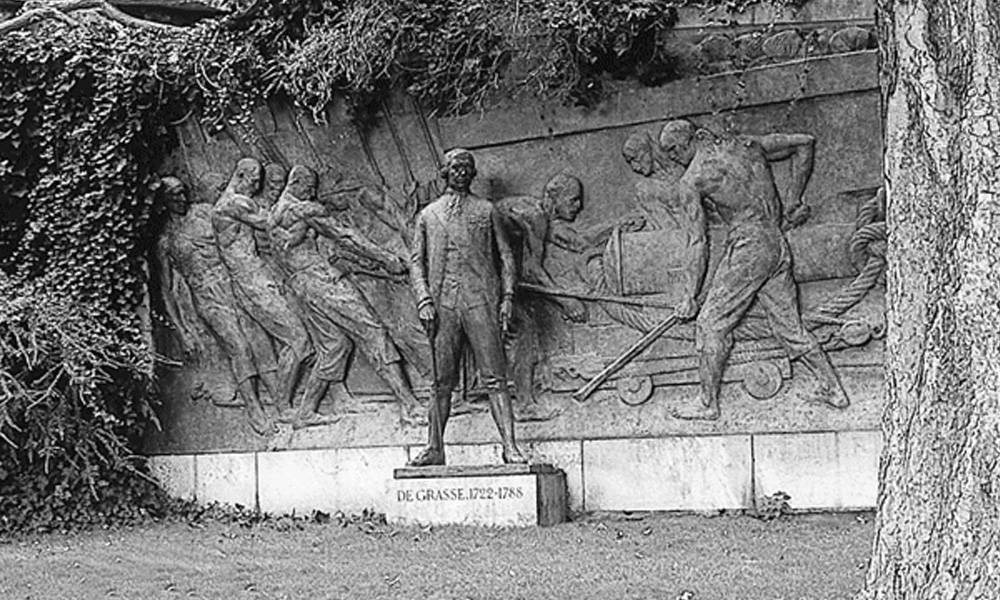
(635, 350)
(547, 291)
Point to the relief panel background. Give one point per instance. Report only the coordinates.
(517, 150)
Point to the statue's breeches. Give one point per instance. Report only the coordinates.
(478, 328)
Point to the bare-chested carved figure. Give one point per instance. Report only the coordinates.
(187, 248)
(732, 176)
(338, 314)
(233, 218)
(532, 224)
(654, 190)
(274, 183)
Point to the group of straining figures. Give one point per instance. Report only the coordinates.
(256, 273)
(257, 266)
(463, 273)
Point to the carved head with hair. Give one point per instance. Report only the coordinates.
(274, 182)
(459, 169)
(638, 153)
(677, 141)
(174, 194)
(302, 183)
(246, 177)
(563, 193)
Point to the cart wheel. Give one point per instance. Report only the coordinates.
(762, 380)
(635, 390)
(856, 333)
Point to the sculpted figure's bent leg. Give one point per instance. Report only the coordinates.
(448, 343)
(268, 307)
(779, 298)
(351, 310)
(263, 357)
(523, 353)
(483, 332)
(747, 264)
(333, 350)
(328, 370)
(223, 323)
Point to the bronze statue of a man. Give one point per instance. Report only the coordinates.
(732, 175)
(463, 298)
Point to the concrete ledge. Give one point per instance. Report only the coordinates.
(679, 473)
(346, 479)
(820, 471)
(227, 479)
(176, 473)
(836, 470)
(565, 455)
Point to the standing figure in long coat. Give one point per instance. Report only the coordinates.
(463, 276)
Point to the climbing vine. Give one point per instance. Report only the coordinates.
(84, 122)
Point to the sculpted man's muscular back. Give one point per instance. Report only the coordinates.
(292, 236)
(733, 177)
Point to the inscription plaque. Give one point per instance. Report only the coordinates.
(496, 495)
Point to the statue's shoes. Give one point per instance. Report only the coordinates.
(514, 457)
(412, 416)
(428, 457)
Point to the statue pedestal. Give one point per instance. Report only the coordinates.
(491, 495)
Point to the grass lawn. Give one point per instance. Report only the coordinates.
(812, 557)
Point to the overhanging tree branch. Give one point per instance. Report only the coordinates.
(35, 11)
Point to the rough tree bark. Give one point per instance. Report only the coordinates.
(938, 529)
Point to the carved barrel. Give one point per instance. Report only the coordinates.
(653, 262)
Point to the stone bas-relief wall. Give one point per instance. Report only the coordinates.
(614, 265)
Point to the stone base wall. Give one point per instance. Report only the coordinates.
(820, 471)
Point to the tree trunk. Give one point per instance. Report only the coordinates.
(938, 525)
